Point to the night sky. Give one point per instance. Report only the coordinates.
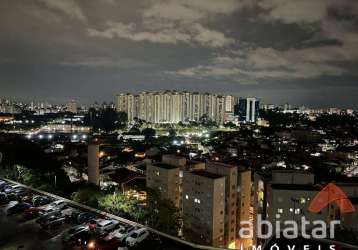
(304, 52)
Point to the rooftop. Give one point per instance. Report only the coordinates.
(206, 174)
(295, 171)
(164, 165)
(221, 164)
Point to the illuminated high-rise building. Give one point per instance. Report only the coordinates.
(72, 107)
(174, 106)
(248, 109)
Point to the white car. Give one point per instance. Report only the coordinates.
(47, 211)
(106, 225)
(137, 237)
(68, 211)
(122, 232)
(59, 204)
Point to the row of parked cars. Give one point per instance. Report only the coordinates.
(87, 230)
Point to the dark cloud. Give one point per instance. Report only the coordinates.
(280, 50)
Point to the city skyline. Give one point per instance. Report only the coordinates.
(59, 51)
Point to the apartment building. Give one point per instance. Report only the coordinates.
(284, 195)
(244, 204)
(164, 178)
(230, 174)
(174, 106)
(204, 208)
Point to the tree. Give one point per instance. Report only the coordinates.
(91, 117)
(162, 213)
(229, 125)
(181, 124)
(172, 132)
(336, 120)
(205, 121)
(106, 119)
(134, 131)
(122, 118)
(118, 202)
(279, 119)
(33, 167)
(88, 195)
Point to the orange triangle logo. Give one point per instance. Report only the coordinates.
(331, 194)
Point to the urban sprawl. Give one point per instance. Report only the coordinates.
(191, 165)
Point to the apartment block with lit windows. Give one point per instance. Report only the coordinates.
(175, 106)
(204, 208)
(230, 173)
(164, 178)
(284, 195)
(244, 204)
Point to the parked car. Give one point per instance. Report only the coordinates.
(3, 184)
(137, 237)
(105, 243)
(27, 199)
(31, 213)
(20, 192)
(72, 232)
(106, 225)
(80, 218)
(122, 246)
(12, 188)
(53, 221)
(122, 232)
(80, 238)
(49, 211)
(3, 199)
(84, 237)
(7, 189)
(60, 204)
(12, 197)
(40, 200)
(4, 187)
(19, 207)
(92, 224)
(68, 212)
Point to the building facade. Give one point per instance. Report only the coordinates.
(165, 179)
(204, 208)
(230, 173)
(284, 195)
(174, 106)
(248, 109)
(93, 163)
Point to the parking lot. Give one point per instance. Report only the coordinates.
(30, 220)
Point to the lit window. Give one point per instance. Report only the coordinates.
(302, 200)
(280, 211)
(187, 197)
